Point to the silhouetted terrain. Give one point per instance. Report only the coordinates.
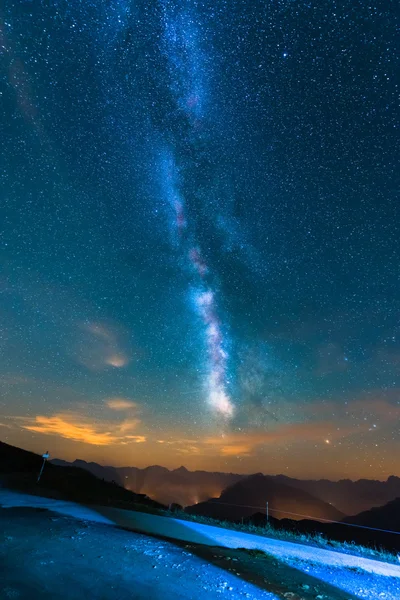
(245, 497)
(179, 485)
(350, 497)
(193, 487)
(19, 470)
(383, 517)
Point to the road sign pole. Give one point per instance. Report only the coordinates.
(45, 456)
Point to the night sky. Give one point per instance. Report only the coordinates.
(200, 225)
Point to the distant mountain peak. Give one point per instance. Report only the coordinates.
(181, 470)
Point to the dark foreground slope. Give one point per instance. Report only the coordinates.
(19, 471)
(46, 556)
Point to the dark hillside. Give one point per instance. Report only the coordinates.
(19, 470)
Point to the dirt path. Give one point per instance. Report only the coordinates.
(198, 533)
(45, 554)
(48, 556)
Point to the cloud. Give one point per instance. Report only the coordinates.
(128, 425)
(236, 450)
(247, 442)
(99, 346)
(331, 421)
(190, 450)
(116, 360)
(79, 428)
(120, 404)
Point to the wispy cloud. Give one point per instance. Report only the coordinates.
(121, 404)
(6, 425)
(247, 442)
(99, 346)
(329, 423)
(79, 428)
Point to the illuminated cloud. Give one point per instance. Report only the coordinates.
(116, 360)
(138, 439)
(79, 428)
(120, 404)
(248, 442)
(99, 346)
(236, 450)
(328, 424)
(128, 425)
(188, 450)
(60, 425)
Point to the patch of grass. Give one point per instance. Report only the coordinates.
(357, 570)
(366, 551)
(254, 552)
(316, 539)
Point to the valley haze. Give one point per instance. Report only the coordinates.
(187, 487)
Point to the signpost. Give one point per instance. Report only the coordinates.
(45, 456)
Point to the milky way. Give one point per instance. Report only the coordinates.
(180, 42)
(200, 219)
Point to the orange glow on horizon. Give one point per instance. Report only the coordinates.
(323, 447)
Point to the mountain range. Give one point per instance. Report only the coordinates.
(247, 496)
(242, 500)
(350, 497)
(177, 486)
(193, 487)
(385, 517)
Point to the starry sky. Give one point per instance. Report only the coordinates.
(199, 242)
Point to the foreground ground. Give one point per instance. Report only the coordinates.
(45, 554)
